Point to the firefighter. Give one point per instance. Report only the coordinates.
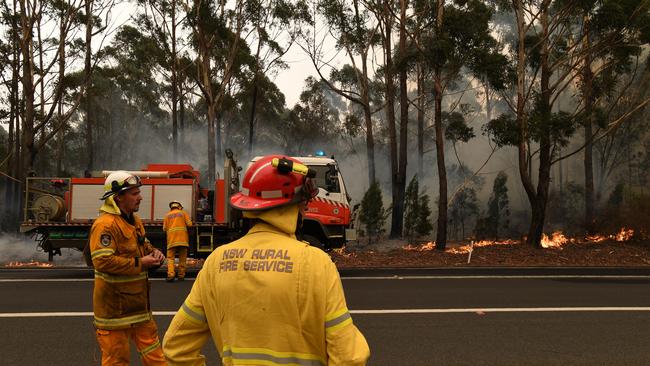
(175, 226)
(267, 298)
(121, 256)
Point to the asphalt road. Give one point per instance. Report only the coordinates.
(410, 317)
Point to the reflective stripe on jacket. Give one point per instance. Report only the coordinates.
(175, 225)
(121, 293)
(267, 299)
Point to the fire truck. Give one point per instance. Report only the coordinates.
(59, 212)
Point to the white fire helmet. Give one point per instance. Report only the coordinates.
(118, 182)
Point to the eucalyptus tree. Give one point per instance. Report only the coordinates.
(610, 40)
(450, 44)
(42, 87)
(311, 121)
(547, 57)
(125, 91)
(163, 20)
(356, 32)
(274, 21)
(216, 32)
(9, 70)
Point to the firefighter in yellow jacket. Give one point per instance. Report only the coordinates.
(267, 298)
(121, 256)
(175, 226)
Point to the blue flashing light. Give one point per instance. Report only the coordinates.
(320, 153)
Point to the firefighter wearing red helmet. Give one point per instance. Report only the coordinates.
(267, 298)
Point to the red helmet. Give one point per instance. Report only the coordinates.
(274, 181)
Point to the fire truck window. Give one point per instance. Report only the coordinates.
(324, 179)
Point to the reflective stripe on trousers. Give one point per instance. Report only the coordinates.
(114, 345)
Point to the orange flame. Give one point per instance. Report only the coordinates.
(624, 234)
(464, 249)
(596, 238)
(32, 263)
(556, 240)
(423, 248)
(343, 253)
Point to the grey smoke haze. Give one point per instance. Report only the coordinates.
(15, 248)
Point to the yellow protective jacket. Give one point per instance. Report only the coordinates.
(175, 226)
(267, 299)
(121, 293)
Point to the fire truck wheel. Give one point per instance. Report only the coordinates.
(313, 241)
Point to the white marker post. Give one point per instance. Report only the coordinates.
(471, 249)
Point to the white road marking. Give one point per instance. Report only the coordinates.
(500, 277)
(379, 311)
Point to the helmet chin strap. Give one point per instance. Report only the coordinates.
(299, 224)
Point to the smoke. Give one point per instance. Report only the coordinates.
(15, 248)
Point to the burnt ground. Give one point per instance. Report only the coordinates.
(578, 253)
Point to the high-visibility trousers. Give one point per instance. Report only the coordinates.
(182, 259)
(114, 345)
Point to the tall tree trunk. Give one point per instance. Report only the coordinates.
(441, 233)
(90, 165)
(41, 163)
(251, 123)
(397, 222)
(538, 205)
(370, 140)
(365, 100)
(488, 101)
(205, 70)
(587, 94)
(174, 84)
(61, 134)
(26, 44)
(14, 98)
(19, 104)
(390, 106)
(522, 123)
(219, 153)
(421, 104)
(181, 112)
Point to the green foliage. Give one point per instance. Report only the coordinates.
(423, 224)
(456, 128)
(497, 219)
(372, 214)
(462, 43)
(416, 211)
(349, 25)
(616, 197)
(558, 126)
(4, 146)
(459, 175)
(566, 208)
(411, 207)
(503, 130)
(313, 119)
(462, 210)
